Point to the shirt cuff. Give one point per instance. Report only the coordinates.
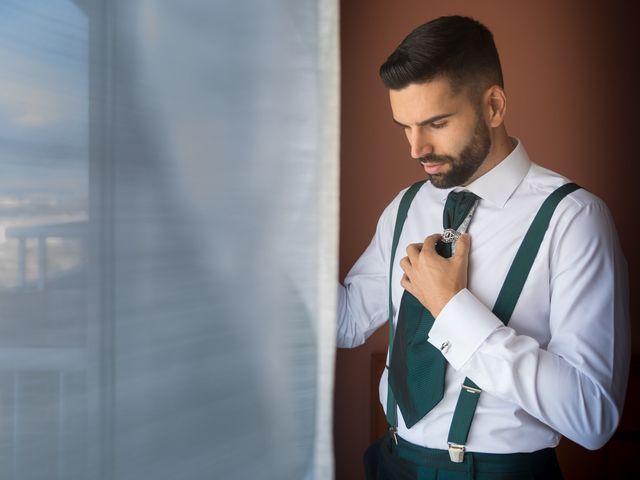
(463, 324)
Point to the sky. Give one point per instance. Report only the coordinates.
(43, 119)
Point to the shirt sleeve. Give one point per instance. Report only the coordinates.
(576, 384)
(363, 300)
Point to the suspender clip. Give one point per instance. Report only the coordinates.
(456, 452)
(471, 389)
(392, 431)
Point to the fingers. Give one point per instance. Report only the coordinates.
(405, 264)
(413, 250)
(431, 240)
(429, 245)
(405, 282)
(427, 248)
(463, 246)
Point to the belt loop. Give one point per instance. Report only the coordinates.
(469, 457)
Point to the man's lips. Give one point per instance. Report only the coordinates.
(433, 167)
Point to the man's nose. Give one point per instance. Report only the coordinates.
(420, 144)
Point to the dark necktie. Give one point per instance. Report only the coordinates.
(417, 368)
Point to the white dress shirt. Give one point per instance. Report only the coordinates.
(560, 366)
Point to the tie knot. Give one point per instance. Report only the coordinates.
(462, 195)
(457, 208)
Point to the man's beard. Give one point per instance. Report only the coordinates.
(466, 164)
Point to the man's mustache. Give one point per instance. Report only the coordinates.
(433, 158)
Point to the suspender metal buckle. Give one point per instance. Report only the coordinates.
(456, 452)
(392, 431)
(471, 389)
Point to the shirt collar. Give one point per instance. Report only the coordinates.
(499, 183)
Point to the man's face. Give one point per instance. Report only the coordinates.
(445, 130)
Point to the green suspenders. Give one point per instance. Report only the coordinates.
(401, 216)
(503, 308)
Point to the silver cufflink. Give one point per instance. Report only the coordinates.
(444, 348)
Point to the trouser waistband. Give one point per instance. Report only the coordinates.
(479, 461)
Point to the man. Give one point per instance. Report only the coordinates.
(540, 332)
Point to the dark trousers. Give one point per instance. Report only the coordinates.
(384, 460)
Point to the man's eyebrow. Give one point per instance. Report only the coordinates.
(427, 121)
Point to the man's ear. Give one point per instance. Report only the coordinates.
(495, 102)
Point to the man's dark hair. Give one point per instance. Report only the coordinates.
(460, 49)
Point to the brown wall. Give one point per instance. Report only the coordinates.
(571, 74)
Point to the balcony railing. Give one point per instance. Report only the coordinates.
(41, 233)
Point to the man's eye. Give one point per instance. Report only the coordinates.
(439, 124)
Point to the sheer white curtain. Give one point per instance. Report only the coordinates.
(168, 221)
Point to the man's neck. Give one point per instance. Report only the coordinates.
(501, 147)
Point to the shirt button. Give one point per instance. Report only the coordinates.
(444, 348)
